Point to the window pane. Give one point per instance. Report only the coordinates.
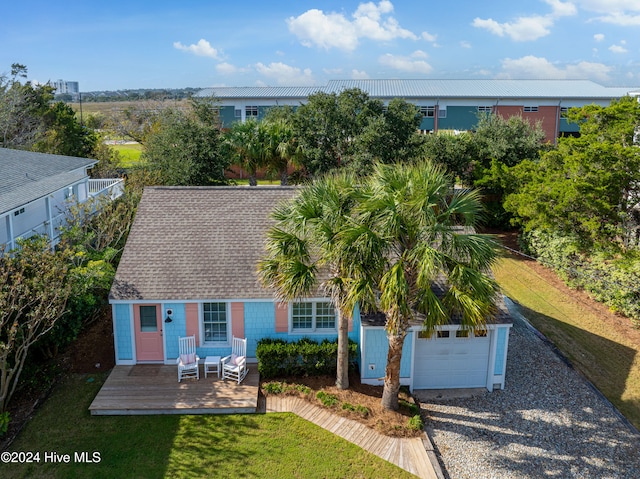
(215, 321)
(302, 315)
(325, 316)
(148, 323)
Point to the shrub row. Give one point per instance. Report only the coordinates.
(305, 357)
(612, 280)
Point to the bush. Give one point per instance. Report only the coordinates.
(329, 400)
(277, 358)
(415, 423)
(611, 279)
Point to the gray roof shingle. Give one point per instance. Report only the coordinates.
(197, 243)
(26, 176)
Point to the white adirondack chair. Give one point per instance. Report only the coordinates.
(235, 366)
(187, 360)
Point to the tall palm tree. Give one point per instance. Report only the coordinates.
(247, 142)
(283, 149)
(410, 231)
(302, 254)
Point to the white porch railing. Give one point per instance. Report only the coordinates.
(114, 187)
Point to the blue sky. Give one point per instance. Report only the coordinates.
(172, 44)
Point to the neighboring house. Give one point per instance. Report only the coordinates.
(444, 104)
(36, 190)
(189, 268)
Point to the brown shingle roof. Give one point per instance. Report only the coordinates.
(197, 243)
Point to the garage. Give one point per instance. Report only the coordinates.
(452, 359)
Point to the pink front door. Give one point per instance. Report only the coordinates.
(148, 325)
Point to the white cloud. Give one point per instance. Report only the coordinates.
(531, 67)
(625, 13)
(333, 30)
(598, 37)
(528, 28)
(618, 48)
(419, 54)
(522, 30)
(405, 64)
(226, 68)
(332, 71)
(562, 9)
(284, 74)
(429, 37)
(203, 49)
(465, 44)
(359, 75)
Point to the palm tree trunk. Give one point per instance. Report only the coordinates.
(284, 177)
(342, 372)
(392, 372)
(252, 179)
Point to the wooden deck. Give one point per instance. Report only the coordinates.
(411, 454)
(154, 389)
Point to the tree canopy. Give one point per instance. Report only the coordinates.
(587, 188)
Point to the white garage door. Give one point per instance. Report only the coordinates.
(453, 362)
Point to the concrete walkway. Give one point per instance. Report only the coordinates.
(411, 454)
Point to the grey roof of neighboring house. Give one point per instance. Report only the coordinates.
(26, 176)
(197, 243)
(435, 89)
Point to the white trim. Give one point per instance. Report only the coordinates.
(414, 335)
(492, 358)
(132, 325)
(190, 301)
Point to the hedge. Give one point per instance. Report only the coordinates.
(306, 357)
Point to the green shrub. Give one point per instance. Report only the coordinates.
(412, 407)
(348, 406)
(273, 387)
(4, 422)
(611, 279)
(301, 388)
(278, 358)
(363, 411)
(415, 423)
(329, 400)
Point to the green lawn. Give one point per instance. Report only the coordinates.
(130, 153)
(607, 354)
(236, 446)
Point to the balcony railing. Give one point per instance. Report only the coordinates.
(114, 187)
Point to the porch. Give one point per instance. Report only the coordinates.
(154, 389)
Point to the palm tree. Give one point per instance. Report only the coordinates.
(247, 141)
(282, 146)
(412, 230)
(302, 253)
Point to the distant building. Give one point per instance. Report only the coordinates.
(444, 104)
(68, 87)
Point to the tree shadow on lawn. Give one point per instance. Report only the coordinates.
(547, 421)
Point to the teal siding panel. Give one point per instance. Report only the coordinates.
(376, 348)
(227, 116)
(123, 338)
(459, 118)
(174, 329)
(566, 127)
(501, 344)
(426, 124)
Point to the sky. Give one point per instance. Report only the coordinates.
(133, 44)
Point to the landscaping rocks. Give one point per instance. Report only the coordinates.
(547, 422)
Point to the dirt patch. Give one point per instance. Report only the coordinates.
(361, 402)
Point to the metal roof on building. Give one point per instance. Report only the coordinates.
(428, 88)
(26, 176)
(283, 92)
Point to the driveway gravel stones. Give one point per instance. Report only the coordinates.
(547, 422)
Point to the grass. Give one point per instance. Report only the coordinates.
(602, 350)
(252, 445)
(129, 153)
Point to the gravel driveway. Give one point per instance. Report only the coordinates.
(547, 422)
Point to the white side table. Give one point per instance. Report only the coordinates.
(212, 364)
